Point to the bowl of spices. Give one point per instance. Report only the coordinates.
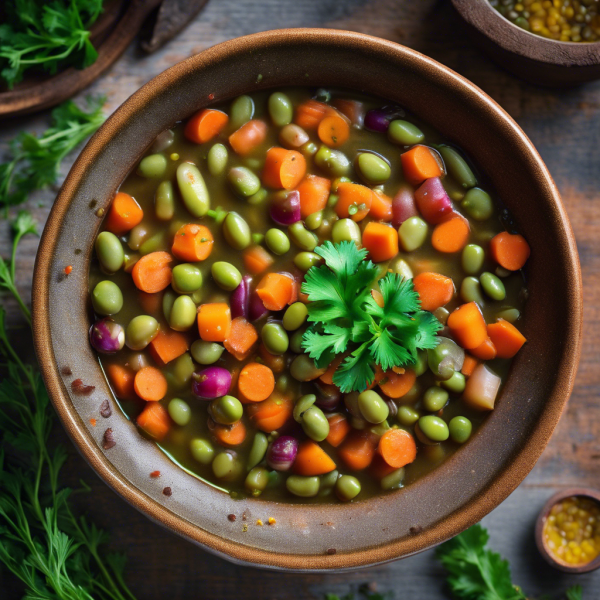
(547, 42)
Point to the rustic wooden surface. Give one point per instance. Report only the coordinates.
(563, 125)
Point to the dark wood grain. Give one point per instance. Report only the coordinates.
(564, 127)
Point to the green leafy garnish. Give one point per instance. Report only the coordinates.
(46, 35)
(345, 317)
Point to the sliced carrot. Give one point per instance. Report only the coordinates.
(205, 125)
(420, 163)
(150, 384)
(469, 365)
(435, 290)
(311, 113)
(230, 435)
(353, 197)
(296, 283)
(284, 169)
(379, 468)
(451, 236)
(248, 137)
(327, 377)
(467, 326)
(339, 428)
(275, 290)
(397, 385)
(214, 321)
(154, 420)
(257, 259)
(193, 242)
(397, 447)
(334, 130)
(312, 460)
(485, 351)
(121, 379)
(381, 241)
(152, 273)
(272, 413)
(275, 363)
(167, 346)
(510, 251)
(124, 214)
(241, 339)
(506, 337)
(358, 450)
(314, 193)
(381, 207)
(256, 382)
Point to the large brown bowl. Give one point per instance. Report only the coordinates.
(316, 537)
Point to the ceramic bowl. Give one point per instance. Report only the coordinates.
(316, 537)
(527, 55)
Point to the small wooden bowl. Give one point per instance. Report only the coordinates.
(549, 557)
(527, 55)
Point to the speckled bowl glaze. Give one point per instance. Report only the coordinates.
(527, 55)
(316, 537)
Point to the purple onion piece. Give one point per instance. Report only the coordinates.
(403, 206)
(256, 308)
(433, 202)
(281, 454)
(379, 119)
(106, 336)
(240, 298)
(212, 382)
(328, 397)
(285, 208)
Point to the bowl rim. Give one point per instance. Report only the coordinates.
(509, 477)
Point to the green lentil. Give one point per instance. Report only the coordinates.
(280, 109)
(226, 410)
(216, 160)
(243, 181)
(186, 278)
(227, 466)
(492, 286)
(275, 338)
(179, 411)
(164, 201)
(226, 276)
(277, 241)
(305, 487)
(478, 204)
(236, 231)
(183, 314)
(202, 451)
(304, 239)
(109, 251)
(472, 259)
(206, 353)
(394, 480)
(470, 290)
(258, 449)
(240, 112)
(257, 480)
(434, 428)
(413, 233)
(456, 384)
(107, 298)
(153, 165)
(346, 230)
(347, 487)
(192, 187)
(405, 133)
(295, 316)
(407, 416)
(305, 260)
(435, 399)
(457, 167)
(372, 168)
(140, 332)
(460, 429)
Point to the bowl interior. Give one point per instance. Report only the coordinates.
(470, 484)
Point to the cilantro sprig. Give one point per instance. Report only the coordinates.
(345, 318)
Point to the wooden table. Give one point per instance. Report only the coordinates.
(564, 127)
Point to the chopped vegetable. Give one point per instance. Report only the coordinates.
(507, 339)
(152, 273)
(256, 382)
(419, 163)
(205, 125)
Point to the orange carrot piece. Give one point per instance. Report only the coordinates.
(334, 130)
(205, 125)
(314, 193)
(121, 379)
(381, 207)
(248, 137)
(381, 241)
(275, 290)
(397, 447)
(295, 289)
(467, 326)
(241, 339)
(167, 346)
(192, 243)
(284, 169)
(272, 413)
(379, 468)
(312, 460)
(150, 384)
(485, 351)
(311, 113)
(358, 450)
(214, 321)
(152, 273)
(154, 420)
(451, 236)
(256, 259)
(327, 377)
(230, 435)
(420, 163)
(256, 382)
(151, 303)
(339, 428)
(124, 214)
(469, 365)
(275, 363)
(397, 385)
(435, 290)
(510, 251)
(506, 337)
(353, 195)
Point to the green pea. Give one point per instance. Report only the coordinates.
(227, 466)
(346, 230)
(328, 482)
(393, 480)
(164, 201)
(401, 267)
(109, 251)
(295, 316)
(183, 313)
(478, 204)
(258, 198)
(460, 429)
(241, 111)
(508, 314)
(153, 243)
(372, 168)
(193, 189)
(470, 290)
(420, 365)
(332, 200)
(303, 368)
(258, 449)
(296, 341)
(407, 416)
(446, 358)
(305, 487)
(309, 149)
(412, 233)
(305, 260)
(347, 487)
(457, 167)
(226, 410)
(107, 298)
(202, 451)
(275, 338)
(373, 407)
(434, 428)
(334, 162)
(141, 331)
(136, 236)
(472, 259)
(186, 279)
(257, 481)
(216, 159)
(179, 411)
(154, 165)
(243, 181)
(413, 395)
(277, 242)
(226, 276)
(167, 303)
(441, 314)
(283, 383)
(304, 239)
(281, 110)
(404, 133)
(492, 286)
(182, 370)
(314, 220)
(302, 405)
(206, 353)
(236, 231)
(435, 399)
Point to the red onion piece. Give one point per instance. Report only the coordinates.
(378, 119)
(403, 206)
(433, 202)
(328, 396)
(106, 336)
(285, 208)
(240, 298)
(212, 382)
(281, 454)
(256, 308)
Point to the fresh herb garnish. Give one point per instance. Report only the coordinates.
(346, 318)
(47, 35)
